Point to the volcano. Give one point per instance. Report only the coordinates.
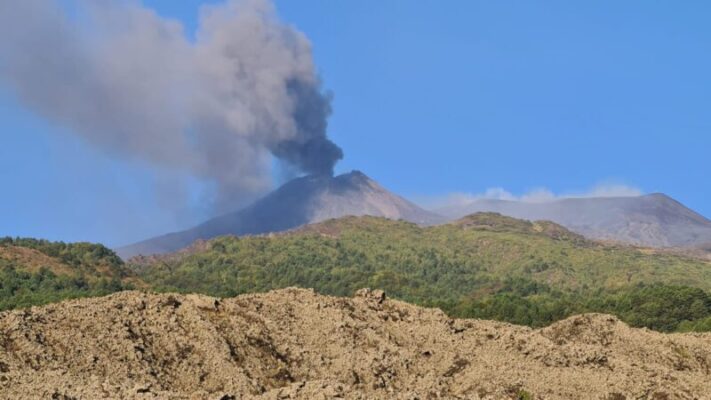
(653, 220)
(300, 201)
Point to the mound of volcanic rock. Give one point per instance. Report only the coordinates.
(296, 344)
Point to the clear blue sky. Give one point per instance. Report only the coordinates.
(434, 97)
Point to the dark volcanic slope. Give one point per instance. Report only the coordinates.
(298, 202)
(294, 344)
(654, 220)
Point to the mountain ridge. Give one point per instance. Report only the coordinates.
(653, 220)
(301, 201)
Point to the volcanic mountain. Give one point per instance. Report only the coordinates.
(301, 201)
(654, 220)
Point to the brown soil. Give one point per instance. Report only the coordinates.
(293, 343)
(32, 260)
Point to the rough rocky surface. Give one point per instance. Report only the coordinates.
(293, 343)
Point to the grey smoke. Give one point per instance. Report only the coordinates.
(132, 84)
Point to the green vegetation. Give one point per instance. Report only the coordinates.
(524, 395)
(35, 272)
(485, 266)
(659, 307)
(80, 256)
(20, 289)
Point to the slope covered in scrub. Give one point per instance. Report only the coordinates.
(484, 266)
(36, 271)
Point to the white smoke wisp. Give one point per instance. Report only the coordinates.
(131, 84)
(540, 195)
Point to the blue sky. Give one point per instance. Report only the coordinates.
(432, 98)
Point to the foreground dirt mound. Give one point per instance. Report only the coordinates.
(293, 343)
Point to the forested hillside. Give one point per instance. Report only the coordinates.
(484, 266)
(34, 272)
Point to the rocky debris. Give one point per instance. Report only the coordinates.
(296, 344)
(377, 296)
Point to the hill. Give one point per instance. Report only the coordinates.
(36, 272)
(296, 344)
(301, 201)
(653, 220)
(485, 266)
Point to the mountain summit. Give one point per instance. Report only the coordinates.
(300, 201)
(654, 220)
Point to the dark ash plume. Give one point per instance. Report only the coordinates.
(130, 83)
(310, 149)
